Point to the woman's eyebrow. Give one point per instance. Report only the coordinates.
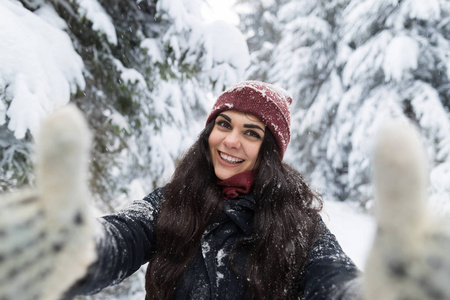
(225, 117)
(254, 126)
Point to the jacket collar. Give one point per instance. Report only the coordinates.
(241, 211)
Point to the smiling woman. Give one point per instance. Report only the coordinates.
(235, 142)
(234, 222)
(268, 103)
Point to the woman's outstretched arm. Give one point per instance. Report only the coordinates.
(124, 242)
(329, 273)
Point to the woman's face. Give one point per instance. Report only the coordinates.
(234, 143)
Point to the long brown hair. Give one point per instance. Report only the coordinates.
(285, 221)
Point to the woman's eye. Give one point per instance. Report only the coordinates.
(253, 134)
(224, 124)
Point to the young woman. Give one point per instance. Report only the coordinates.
(234, 222)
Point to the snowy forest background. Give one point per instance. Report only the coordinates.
(146, 73)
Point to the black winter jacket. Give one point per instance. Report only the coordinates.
(128, 240)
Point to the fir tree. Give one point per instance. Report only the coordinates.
(148, 71)
(263, 29)
(352, 64)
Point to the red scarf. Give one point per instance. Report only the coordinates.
(238, 184)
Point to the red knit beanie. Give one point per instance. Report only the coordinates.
(266, 101)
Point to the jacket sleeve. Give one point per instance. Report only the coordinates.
(124, 243)
(329, 273)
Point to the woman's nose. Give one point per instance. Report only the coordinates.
(232, 140)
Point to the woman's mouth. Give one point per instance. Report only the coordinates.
(230, 159)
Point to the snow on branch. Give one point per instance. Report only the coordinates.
(401, 55)
(39, 68)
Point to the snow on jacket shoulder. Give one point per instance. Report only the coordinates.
(127, 240)
(329, 273)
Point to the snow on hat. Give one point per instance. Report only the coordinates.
(266, 101)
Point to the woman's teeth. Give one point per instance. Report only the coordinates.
(230, 159)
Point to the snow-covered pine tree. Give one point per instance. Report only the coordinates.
(351, 64)
(304, 63)
(143, 73)
(262, 27)
(145, 67)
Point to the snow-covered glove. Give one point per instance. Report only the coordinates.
(46, 234)
(410, 258)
